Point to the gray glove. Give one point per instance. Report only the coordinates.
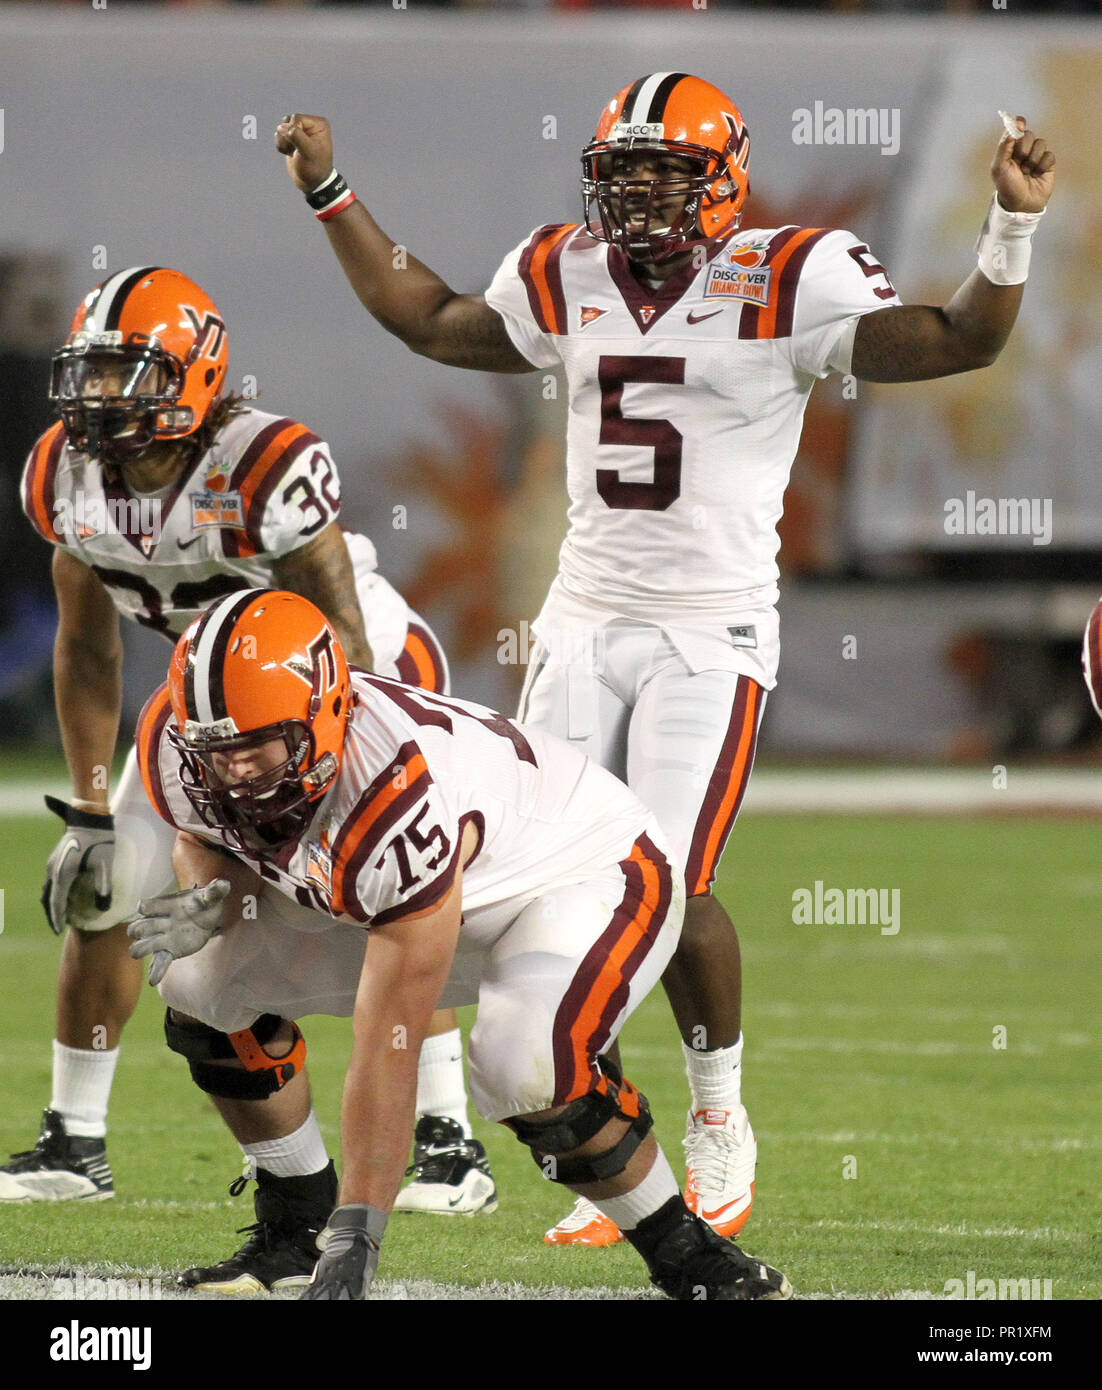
(87, 847)
(176, 925)
(350, 1255)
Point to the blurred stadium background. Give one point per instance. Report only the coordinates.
(141, 133)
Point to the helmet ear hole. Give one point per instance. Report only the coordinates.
(210, 375)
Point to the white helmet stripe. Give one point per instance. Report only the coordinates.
(641, 106)
(208, 651)
(103, 316)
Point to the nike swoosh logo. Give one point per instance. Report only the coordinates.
(699, 318)
(186, 545)
(714, 1215)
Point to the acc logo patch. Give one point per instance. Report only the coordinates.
(735, 282)
(216, 509)
(589, 313)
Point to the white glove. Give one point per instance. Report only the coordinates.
(176, 925)
(87, 847)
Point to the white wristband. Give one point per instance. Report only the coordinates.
(1003, 246)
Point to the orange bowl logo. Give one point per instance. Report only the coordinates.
(750, 257)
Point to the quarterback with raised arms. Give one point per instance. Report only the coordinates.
(690, 345)
(161, 494)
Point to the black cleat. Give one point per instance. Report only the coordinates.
(688, 1260)
(60, 1168)
(451, 1173)
(281, 1250)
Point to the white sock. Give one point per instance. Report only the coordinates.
(292, 1156)
(643, 1200)
(82, 1088)
(715, 1078)
(441, 1089)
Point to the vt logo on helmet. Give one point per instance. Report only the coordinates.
(145, 360)
(259, 689)
(668, 168)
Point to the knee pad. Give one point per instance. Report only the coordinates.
(580, 1121)
(262, 1075)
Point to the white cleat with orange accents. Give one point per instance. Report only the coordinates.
(720, 1157)
(586, 1225)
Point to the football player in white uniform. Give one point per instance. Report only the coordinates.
(690, 346)
(404, 850)
(161, 495)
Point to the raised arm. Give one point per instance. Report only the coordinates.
(916, 342)
(405, 296)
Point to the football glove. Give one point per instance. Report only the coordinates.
(176, 925)
(87, 847)
(350, 1255)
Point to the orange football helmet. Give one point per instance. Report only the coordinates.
(699, 134)
(145, 359)
(259, 667)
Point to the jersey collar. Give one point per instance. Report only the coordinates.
(647, 306)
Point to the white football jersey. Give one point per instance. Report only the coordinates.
(265, 487)
(686, 403)
(417, 769)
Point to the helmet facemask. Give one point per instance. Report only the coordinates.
(261, 814)
(658, 216)
(116, 399)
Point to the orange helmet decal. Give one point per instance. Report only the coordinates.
(161, 341)
(674, 113)
(259, 666)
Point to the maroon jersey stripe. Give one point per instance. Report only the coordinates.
(542, 276)
(421, 661)
(750, 318)
(375, 813)
(233, 542)
(785, 290)
(272, 478)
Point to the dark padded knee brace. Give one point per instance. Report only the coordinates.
(263, 1075)
(579, 1122)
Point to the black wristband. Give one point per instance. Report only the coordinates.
(331, 191)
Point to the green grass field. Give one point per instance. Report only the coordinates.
(900, 1148)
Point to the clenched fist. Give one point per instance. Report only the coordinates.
(1022, 171)
(308, 146)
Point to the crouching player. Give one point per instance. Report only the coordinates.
(413, 852)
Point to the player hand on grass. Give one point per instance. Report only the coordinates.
(176, 925)
(350, 1246)
(308, 146)
(86, 848)
(1022, 171)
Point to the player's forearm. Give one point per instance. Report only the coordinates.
(404, 295)
(88, 695)
(377, 1115)
(196, 864)
(981, 316)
